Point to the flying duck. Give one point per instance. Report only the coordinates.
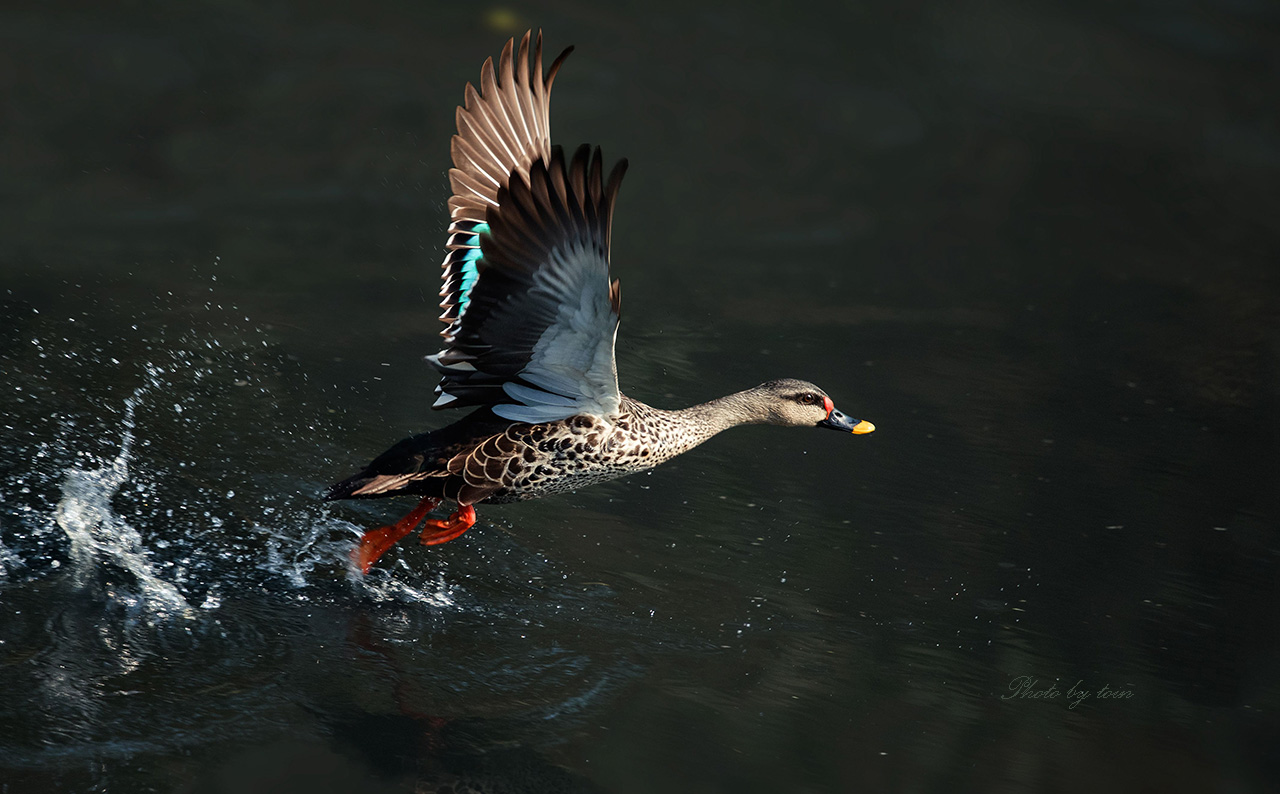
(530, 321)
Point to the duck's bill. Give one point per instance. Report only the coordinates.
(838, 421)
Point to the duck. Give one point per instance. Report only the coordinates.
(530, 320)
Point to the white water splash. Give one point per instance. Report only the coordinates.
(8, 560)
(435, 593)
(99, 536)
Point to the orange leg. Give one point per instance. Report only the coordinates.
(437, 532)
(375, 542)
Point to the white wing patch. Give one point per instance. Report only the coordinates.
(572, 364)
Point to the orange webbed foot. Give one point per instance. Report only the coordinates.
(374, 543)
(437, 532)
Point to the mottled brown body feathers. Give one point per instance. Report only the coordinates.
(496, 464)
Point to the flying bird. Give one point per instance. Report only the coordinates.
(530, 319)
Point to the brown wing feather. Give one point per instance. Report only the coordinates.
(503, 128)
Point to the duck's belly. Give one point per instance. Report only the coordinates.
(575, 455)
(562, 477)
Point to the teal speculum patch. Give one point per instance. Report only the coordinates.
(470, 267)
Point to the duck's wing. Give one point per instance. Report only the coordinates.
(503, 128)
(530, 313)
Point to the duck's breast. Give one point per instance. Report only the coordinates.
(572, 454)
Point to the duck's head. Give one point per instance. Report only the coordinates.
(798, 403)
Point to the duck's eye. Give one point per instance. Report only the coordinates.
(808, 398)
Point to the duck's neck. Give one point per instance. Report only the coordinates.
(722, 413)
(680, 431)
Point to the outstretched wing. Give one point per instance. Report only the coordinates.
(530, 314)
(535, 339)
(502, 129)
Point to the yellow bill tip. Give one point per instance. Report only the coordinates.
(863, 427)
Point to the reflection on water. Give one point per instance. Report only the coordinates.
(1032, 243)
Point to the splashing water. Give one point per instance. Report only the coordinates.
(100, 538)
(173, 586)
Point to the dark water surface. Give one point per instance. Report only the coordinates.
(1035, 243)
